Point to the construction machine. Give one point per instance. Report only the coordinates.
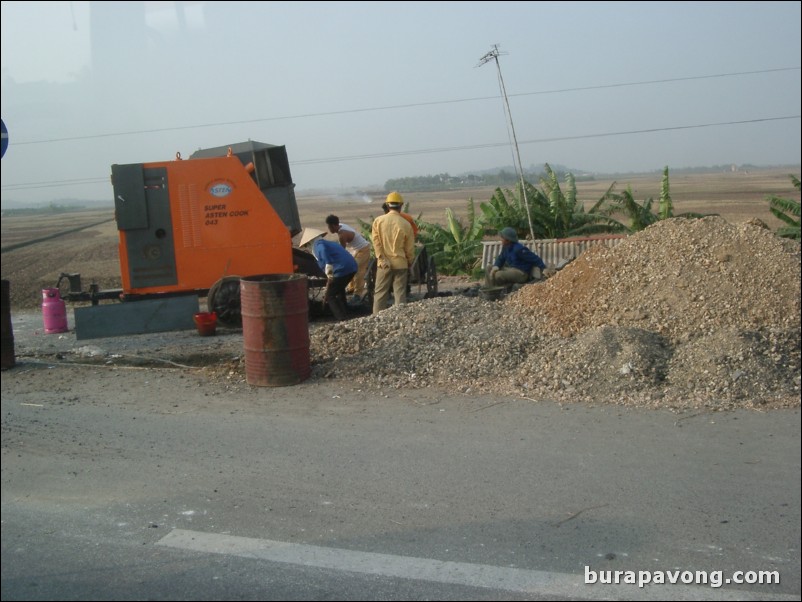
(196, 226)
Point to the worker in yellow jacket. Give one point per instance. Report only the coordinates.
(394, 247)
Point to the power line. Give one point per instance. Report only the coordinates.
(446, 149)
(401, 106)
(434, 150)
(656, 81)
(55, 183)
(73, 181)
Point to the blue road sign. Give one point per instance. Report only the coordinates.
(5, 138)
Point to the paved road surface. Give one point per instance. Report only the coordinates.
(159, 483)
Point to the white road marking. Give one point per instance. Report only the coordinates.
(542, 583)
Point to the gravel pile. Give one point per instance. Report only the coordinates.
(686, 314)
(681, 278)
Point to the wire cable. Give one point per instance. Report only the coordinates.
(434, 150)
(395, 107)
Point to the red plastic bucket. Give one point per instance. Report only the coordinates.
(206, 323)
(54, 311)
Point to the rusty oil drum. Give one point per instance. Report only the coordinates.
(8, 332)
(275, 329)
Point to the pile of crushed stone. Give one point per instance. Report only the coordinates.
(685, 314)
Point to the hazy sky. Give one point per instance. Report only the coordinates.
(360, 92)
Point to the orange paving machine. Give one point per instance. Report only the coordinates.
(196, 226)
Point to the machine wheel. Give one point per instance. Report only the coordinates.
(224, 300)
(431, 278)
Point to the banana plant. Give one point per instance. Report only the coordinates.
(506, 208)
(640, 215)
(566, 215)
(665, 206)
(555, 214)
(787, 211)
(457, 247)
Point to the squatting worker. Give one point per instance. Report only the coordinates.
(338, 265)
(359, 248)
(394, 248)
(515, 262)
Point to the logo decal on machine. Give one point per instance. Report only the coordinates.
(220, 189)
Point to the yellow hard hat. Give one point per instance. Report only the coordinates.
(394, 199)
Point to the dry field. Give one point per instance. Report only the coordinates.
(92, 251)
(737, 197)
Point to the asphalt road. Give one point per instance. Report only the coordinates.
(159, 483)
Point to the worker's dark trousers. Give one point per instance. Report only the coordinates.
(335, 293)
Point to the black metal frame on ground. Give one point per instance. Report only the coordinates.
(423, 271)
(224, 295)
(94, 294)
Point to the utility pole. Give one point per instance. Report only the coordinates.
(493, 55)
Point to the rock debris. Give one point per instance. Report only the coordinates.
(685, 314)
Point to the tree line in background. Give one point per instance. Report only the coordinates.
(503, 177)
(51, 208)
(553, 211)
(445, 181)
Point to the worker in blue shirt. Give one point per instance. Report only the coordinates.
(339, 266)
(514, 264)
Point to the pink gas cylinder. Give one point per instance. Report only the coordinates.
(54, 311)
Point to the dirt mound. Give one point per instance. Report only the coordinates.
(681, 278)
(686, 314)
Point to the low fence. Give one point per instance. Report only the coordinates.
(553, 251)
